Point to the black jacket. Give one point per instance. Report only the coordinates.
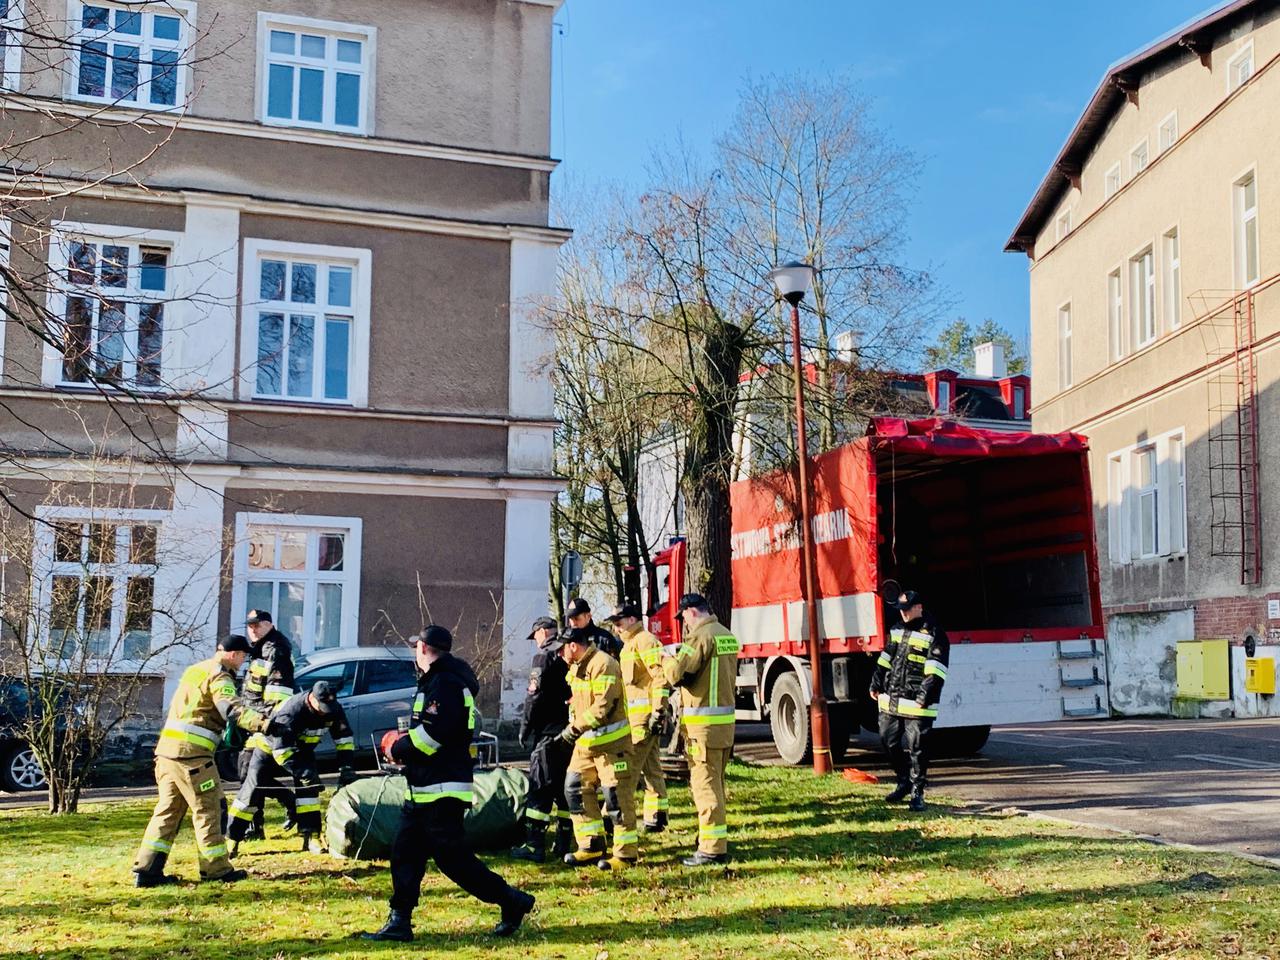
(295, 729)
(438, 753)
(912, 668)
(610, 643)
(546, 706)
(269, 682)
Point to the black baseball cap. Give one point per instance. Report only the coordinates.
(434, 636)
(543, 623)
(624, 611)
(692, 601)
(234, 643)
(577, 635)
(326, 697)
(577, 606)
(908, 600)
(257, 616)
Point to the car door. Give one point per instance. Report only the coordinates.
(386, 691)
(342, 674)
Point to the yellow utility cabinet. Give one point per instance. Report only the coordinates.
(1204, 669)
(1260, 675)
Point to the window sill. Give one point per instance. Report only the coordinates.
(116, 104)
(314, 127)
(309, 402)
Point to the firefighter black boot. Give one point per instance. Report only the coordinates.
(397, 928)
(657, 824)
(517, 906)
(585, 856)
(899, 793)
(534, 849)
(917, 800)
(564, 839)
(154, 875)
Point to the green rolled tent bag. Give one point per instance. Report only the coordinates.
(363, 816)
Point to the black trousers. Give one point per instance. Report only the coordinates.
(906, 740)
(433, 831)
(548, 765)
(261, 780)
(285, 795)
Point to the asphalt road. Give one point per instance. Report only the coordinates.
(1210, 783)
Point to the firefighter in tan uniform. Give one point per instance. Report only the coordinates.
(647, 692)
(601, 734)
(185, 772)
(705, 668)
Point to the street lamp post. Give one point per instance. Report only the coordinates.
(792, 281)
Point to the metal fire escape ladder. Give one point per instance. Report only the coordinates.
(1235, 508)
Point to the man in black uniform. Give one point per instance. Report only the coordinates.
(907, 684)
(546, 713)
(268, 683)
(289, 745)
(438, 759)
(579, 616)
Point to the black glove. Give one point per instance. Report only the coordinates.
(656, 724)
(524, 736)
(569, 735)
(308, 777)
(346, 775)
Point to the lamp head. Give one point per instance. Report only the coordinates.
(792, 280)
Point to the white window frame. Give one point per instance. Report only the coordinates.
(367, 36)
(1167, 132)
(944, 396)
(61, 233)
(1171, 270)
(1125, 500)
(1147, 500)
(1112, 181)
(1242, 217)
(45, 569)
(11, 56)
(257, 250)
(1142, 294)
(1143, 146)
(184, 10)
(1066, 358)
(351, 527)
(1063, 223)
(1241, 56)
(1115, 312)
(1019, 403)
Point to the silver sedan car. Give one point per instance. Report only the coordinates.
(375, 686)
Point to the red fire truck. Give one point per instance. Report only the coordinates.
(994, 529)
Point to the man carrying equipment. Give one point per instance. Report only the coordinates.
(705, 668)
(601, 759)
(268, 683)
(546, 713)
(907, 684)
(646, 690)
(438, 758)
(578, 615)
(290, 744)
(185, 772)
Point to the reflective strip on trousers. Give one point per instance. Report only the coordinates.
(655, 804)
(214, 852)
(532, 814)
(588, 829)
(624, 838)
(607, 734)
(160, 846)
(701, 716)
(242, 811)
(450, 790)
(344, 743)
(713, 831)
(310, 806)
(178, 730)
(424, 741)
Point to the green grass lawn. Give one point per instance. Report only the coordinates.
(822, 869)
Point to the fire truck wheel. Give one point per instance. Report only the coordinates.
(789, 719)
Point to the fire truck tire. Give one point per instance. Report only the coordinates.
(789, 719)
(959, 741)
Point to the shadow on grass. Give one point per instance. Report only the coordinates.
(703, 927)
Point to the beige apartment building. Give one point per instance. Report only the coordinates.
(304, 240)
(1154, 252)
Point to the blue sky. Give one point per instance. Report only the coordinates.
(983, 91)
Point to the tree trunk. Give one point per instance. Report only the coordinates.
(708, 462)
(611, 538)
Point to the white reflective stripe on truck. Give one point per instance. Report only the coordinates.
(853, 615)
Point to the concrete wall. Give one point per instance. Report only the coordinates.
(1252, 704)
(1142, 663)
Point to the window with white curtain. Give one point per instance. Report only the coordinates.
(1172, 279)
(1142, 297)
(1146, 504)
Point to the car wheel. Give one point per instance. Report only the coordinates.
(20, 770)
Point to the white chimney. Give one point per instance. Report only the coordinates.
(988, 361)
(847, 344)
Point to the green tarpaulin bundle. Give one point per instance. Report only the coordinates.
(363, 816)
